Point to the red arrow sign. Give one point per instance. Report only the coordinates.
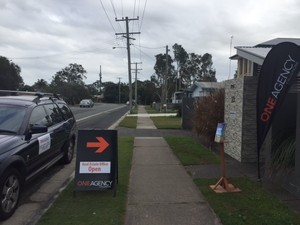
(102, 144)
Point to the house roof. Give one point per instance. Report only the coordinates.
(205, 85)
(255, 54)
(258, 53)
(276, 41)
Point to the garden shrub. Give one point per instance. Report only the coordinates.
(208, 112)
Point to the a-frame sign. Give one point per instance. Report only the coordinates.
(96, 160)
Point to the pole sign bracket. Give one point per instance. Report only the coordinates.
(96, 160)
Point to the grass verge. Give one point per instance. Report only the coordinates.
(167, 122)
(191, 153)
(150, 110)
(93, 207)
(253, 205)
(129, 122)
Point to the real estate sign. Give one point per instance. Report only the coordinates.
(96, 160)
(279, 70)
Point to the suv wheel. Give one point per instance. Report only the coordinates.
(10, 189)
(68, 151)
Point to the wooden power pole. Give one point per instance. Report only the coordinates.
(126, 35)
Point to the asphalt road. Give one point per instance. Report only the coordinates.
(39, 193)
(101, 116)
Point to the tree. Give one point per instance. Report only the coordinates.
(10, 78)
(180, 57)
(161, 78)
(41, 85)
(73, 74)
(93, 88)
(98, 86)
(111, 92)
(198, 68)
(191, 67)
(146, 92)
(207, 73)
(27, 88)
(69, 83)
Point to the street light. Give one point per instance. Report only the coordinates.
(117, 47)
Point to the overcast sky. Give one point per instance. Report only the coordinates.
(45, 36)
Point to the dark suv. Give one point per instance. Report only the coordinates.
(36, 131)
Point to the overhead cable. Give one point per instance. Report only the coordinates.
(143, 15)
(116, 16)
(107, 15)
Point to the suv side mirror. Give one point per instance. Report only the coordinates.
(36, 129)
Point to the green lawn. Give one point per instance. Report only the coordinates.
(189, 152)
(129, 122)
(149, 109)
(167, 122)
(253, 205)
(94, 207)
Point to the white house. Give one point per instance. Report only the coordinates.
(200, 89)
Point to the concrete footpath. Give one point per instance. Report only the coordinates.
(160, 190)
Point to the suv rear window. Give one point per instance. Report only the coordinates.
(53, 112)
(65, 110)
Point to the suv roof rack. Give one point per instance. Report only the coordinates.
(38, 94)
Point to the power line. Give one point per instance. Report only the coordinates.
(114, 9)
(142, 19)
(140, 48)
(122, 8)
(151, 57)
(152, 47)
(133, 15)
(107, 15)
(113, 6)
(138, 13)
(134, 9)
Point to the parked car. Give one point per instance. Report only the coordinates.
(86, 103)
(36, 131)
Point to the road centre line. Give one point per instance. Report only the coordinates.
(88, 117)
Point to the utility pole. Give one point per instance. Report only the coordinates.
(100, 81)
(165, 80)
(119, 89)
(126, 35)
(135, 93)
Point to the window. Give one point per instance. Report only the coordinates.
(39, 117)
(65, 110)
(11, 118)
(53, 112)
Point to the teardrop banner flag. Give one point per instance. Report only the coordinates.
(279, 70)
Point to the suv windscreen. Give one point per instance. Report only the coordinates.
(11, 118)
